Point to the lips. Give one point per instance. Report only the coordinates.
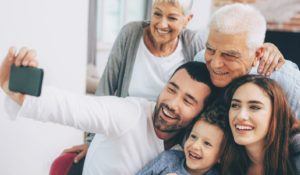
(220, 73)
(169, 114)
(240, 127)
(194, 156)
(161, 31)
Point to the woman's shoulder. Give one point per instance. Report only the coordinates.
(135, 25)
(295, 144)
(295, 151)
(193, 38)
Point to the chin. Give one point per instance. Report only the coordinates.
(220, 83)
(242, 141)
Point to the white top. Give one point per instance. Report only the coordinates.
(128, 140)
(151, 73)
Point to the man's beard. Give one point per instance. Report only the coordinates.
(161, 124)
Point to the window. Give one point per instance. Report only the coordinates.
(113, 14)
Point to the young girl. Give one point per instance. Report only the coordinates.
(265, 135)
(202, 149)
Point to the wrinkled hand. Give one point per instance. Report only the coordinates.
(81, 151)
(25, 57)
(271, 60)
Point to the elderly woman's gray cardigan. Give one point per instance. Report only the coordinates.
(117, 74)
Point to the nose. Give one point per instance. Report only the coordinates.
(163, 23)
(243, 114)
(175, 103)
(197, 147)
(216, 61)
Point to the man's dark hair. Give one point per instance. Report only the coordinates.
(197, 71)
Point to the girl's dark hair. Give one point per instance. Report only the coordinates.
(282, 126)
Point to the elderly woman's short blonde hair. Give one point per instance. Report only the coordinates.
(186, 5)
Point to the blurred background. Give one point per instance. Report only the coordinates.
(73, 39)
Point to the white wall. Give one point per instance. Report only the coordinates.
(201, 11)
(57, 29)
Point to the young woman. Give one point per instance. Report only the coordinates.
(265, 135)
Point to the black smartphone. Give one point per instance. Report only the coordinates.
(26, 80)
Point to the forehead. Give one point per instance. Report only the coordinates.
(223, 41)
(168, 7)
(188, 85)
(257, 94)
(208, 130)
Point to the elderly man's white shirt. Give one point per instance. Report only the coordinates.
(125, 139)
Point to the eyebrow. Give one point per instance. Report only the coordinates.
(174, 84)
(232, 52)
(208, 45)
(186, 94)
(172, 14)
(251, 101)
(204, 137)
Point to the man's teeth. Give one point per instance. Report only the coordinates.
(243, 127)
(168, 114)
(220, 73)
(162, 31)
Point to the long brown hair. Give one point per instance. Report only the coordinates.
(282, 126)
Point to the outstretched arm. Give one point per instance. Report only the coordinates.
(106, 115)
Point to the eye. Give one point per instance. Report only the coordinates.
(188, 101)
(193, 136)
(228, 56)
(255, 107)
(210, 50)
(171, 90)
(234, 105)
(172, 18)
(157, 14)
(206, 143)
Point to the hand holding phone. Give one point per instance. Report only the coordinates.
(26, 80)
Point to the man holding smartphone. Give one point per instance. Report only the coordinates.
(135, 130)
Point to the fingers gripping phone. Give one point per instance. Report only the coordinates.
(26, 80)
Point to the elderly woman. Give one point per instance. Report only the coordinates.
(265, 134)
(146, 53)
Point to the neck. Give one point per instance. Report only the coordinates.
(159, 49)
(256, 153)
(194, 172)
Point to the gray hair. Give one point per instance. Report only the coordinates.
(186, 5)
(240, 18)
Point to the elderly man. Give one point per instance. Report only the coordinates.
(235, 45)
(133, 130)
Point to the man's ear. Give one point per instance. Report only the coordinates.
(258, 55)
(190, 17)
